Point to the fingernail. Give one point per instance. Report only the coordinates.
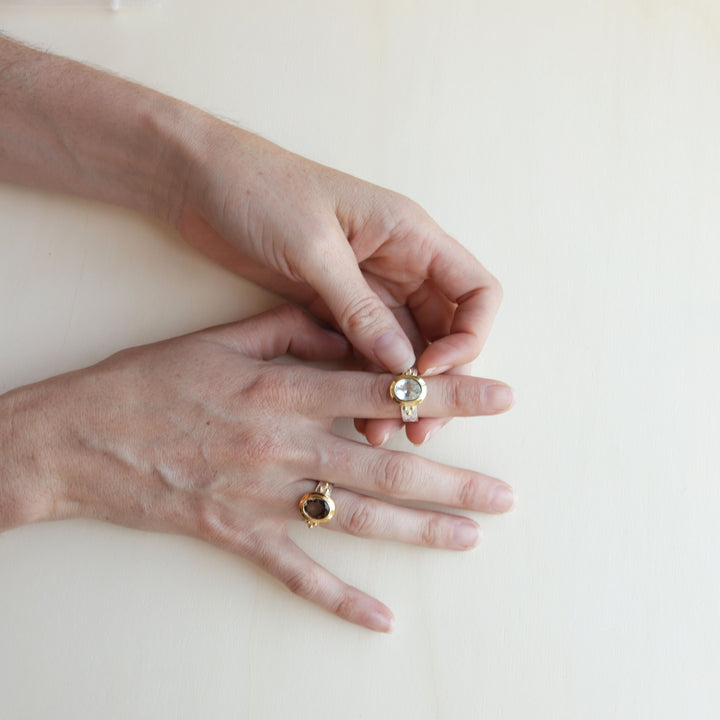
(466, 535)
(437, 370)
(502, 499)
(379, 622)
(498, 397)
(394, 352)
(385, 438)
(430, 433)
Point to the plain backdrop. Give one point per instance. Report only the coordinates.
(573, 147)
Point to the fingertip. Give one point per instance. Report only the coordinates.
(394, 352)
(342, 346)
(467, 535)
(499, 397)
(418, 441)
(380, 432)
(436, 370)
(431, 433)
(420, 433)
(377, 440)
(380, 621)
(448, 352)
(502, 499)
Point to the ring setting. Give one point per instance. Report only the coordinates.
(318, 507)
(408, 390)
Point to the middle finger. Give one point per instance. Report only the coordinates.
(405, 476)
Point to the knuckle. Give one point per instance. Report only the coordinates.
(464, 395)
(262, 385)
(288, 314)
(401, 212)
(468, 493)
(260, 449)
(268, 390)
(346, 607)
(431, 533)
(454, 393)
(359, 313)
(211, 523)
(394, 476)
(317, 244)
(471, 395)
(380, 393)
(305, 582)
(362, 520)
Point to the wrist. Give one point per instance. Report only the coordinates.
(26, 490)
(195, 145)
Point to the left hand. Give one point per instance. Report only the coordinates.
(202, 435)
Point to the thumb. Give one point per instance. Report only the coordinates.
(364, 318)
(284, 330)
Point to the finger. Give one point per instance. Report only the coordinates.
(431, 312)
(404, 476)
(284, 330)
(364, 319)
(303, 576)
(379, 432)
(367, 395)
(477, 294)
(369, 517)
(423, 430)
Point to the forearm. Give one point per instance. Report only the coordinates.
(68, 127)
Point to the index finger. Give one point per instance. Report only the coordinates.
(477, 294)
(367, 395)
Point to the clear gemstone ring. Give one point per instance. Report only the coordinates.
(408, 390)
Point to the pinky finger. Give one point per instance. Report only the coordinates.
(304, 577)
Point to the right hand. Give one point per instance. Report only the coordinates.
(368, 261)
(202, 435)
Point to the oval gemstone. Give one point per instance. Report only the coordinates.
(316, 508)
(407, 389)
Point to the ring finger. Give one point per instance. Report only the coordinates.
(369, 517)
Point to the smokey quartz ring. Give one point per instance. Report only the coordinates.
(317, 507)
(408, 390)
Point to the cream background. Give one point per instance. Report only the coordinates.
(573, 146)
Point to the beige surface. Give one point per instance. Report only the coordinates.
(574, 147)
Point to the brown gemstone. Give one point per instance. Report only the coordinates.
(316, 509)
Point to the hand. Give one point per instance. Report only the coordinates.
(201, 435)
(369, 261)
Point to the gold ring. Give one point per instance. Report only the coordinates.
(408, 390)
(318, 507)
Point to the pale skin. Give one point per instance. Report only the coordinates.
(230, 455)
(202, 435)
